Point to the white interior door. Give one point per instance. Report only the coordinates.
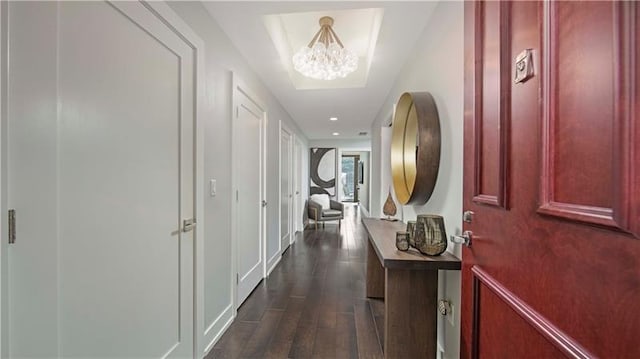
(286, 188)
(100, 173)
(248, 144)
(4, 241)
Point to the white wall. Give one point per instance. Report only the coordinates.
(222, 58)
(436, 67)
(345, 145)
(381, 168)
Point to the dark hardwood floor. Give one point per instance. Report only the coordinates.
(313, 304)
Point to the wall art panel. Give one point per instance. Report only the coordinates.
(323, 171)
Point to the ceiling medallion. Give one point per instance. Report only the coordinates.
(325, 58)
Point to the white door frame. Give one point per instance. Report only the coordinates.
(180, 28)
(177, 25)
(240, 86)
(297, 187)
(284, 127)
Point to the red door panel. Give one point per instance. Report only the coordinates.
(552, 173)
(491, 80)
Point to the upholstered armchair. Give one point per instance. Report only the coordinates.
(335, 212)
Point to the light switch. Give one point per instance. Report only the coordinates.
(212, 188)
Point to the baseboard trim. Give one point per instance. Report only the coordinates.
(364, 211)
(218, 328)
(273, 262)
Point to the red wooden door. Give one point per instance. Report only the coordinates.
(552, 172)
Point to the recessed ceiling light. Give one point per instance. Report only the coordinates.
(335, 133)
(333, 119)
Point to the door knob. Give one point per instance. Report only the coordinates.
(464, 239)
(467, 216)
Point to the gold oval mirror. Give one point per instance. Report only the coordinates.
(415, 148)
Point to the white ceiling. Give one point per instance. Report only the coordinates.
(357, 28)
(247, 23)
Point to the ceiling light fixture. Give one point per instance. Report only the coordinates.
(336, 134)
(333, 119)
(325, 58)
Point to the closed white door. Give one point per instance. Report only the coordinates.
(248, 162)
(100, 174)
(286, 186)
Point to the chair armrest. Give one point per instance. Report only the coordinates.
(337, 205)
(315, 210)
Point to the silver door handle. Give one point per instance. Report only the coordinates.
(264, 203)
(464, 239)
(188, 225)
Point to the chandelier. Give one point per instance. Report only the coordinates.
(325, 58)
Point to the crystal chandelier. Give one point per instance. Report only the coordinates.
(325, 58)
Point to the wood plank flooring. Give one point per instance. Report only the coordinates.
(313, 305)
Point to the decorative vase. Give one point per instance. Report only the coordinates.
(402, 241)
(411, 231)
(431, 235)
(389, 208)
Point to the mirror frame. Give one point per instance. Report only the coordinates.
(415, 148)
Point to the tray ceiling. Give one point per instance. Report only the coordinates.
(383, 33)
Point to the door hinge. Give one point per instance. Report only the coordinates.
(12, 226)
(237, 196)
(237, 278)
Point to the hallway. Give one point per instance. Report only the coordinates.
(313, 304)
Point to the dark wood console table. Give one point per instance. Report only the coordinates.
(408, 282)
